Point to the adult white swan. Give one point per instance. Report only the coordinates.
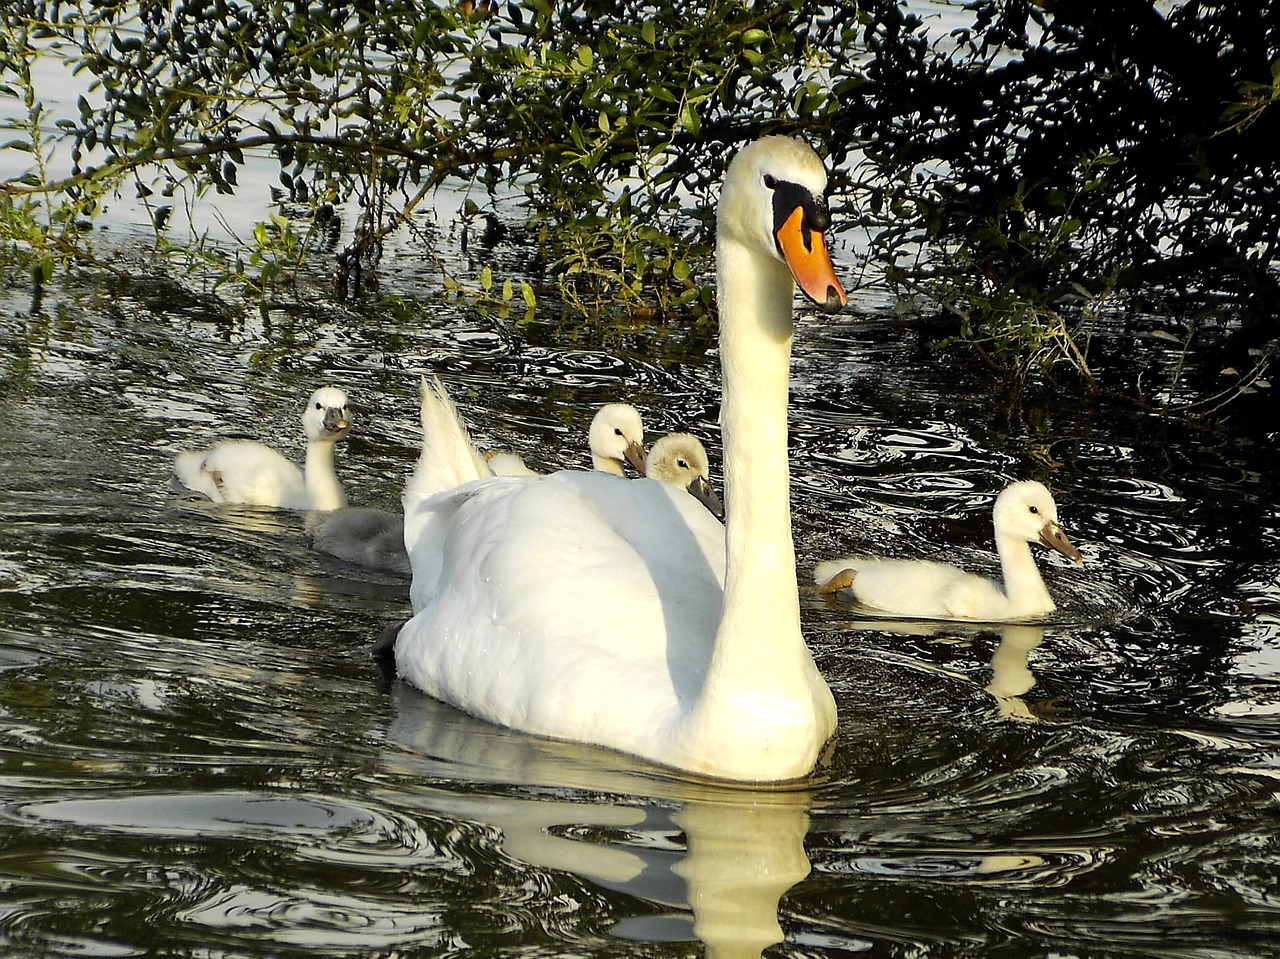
(1023, 514)
(245, 471)
(585, 607)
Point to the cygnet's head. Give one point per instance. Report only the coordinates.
(1027, 511)
(680, 459)
(326, 417)
(617, 436)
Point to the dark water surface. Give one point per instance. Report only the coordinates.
(199, 758)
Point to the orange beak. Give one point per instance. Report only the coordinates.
(806, 254)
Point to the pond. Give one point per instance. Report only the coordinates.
(198, 756)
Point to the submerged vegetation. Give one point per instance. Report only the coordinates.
(1043, 167)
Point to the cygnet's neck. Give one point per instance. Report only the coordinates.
(1023, 585)
(606, 464)
(324, 491)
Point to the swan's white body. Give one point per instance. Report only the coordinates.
(1024, 513)
(244, 471)
(585, 607)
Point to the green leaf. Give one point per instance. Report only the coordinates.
(689, 118)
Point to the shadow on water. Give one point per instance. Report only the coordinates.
(197, 755)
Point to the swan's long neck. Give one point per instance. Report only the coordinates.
(1023, 584)
(323, 488)
(760, 673)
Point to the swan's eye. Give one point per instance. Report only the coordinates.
(770, 181)
(617, 432)
(1035, 509)
(319, 405)
(682, 464)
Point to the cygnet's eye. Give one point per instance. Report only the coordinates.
(1035, 509)
(770, 181)
(683, 464)
(319, 405)
(617, 431)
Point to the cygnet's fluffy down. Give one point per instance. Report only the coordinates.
(1024, 513)
(363, 535)
(680, 459)
(245, 471)
(616, 437)
(507, 463)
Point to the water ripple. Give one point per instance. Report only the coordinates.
(1041, 868)
(331, 830)
(316, 919)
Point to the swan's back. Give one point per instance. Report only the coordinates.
(621, 578)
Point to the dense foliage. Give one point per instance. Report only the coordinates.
(1043, 163)
(607, 118)
(1056, 154)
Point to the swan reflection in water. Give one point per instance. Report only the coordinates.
(1011, 675)
(743, 847)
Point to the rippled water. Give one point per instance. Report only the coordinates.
(198, 756)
